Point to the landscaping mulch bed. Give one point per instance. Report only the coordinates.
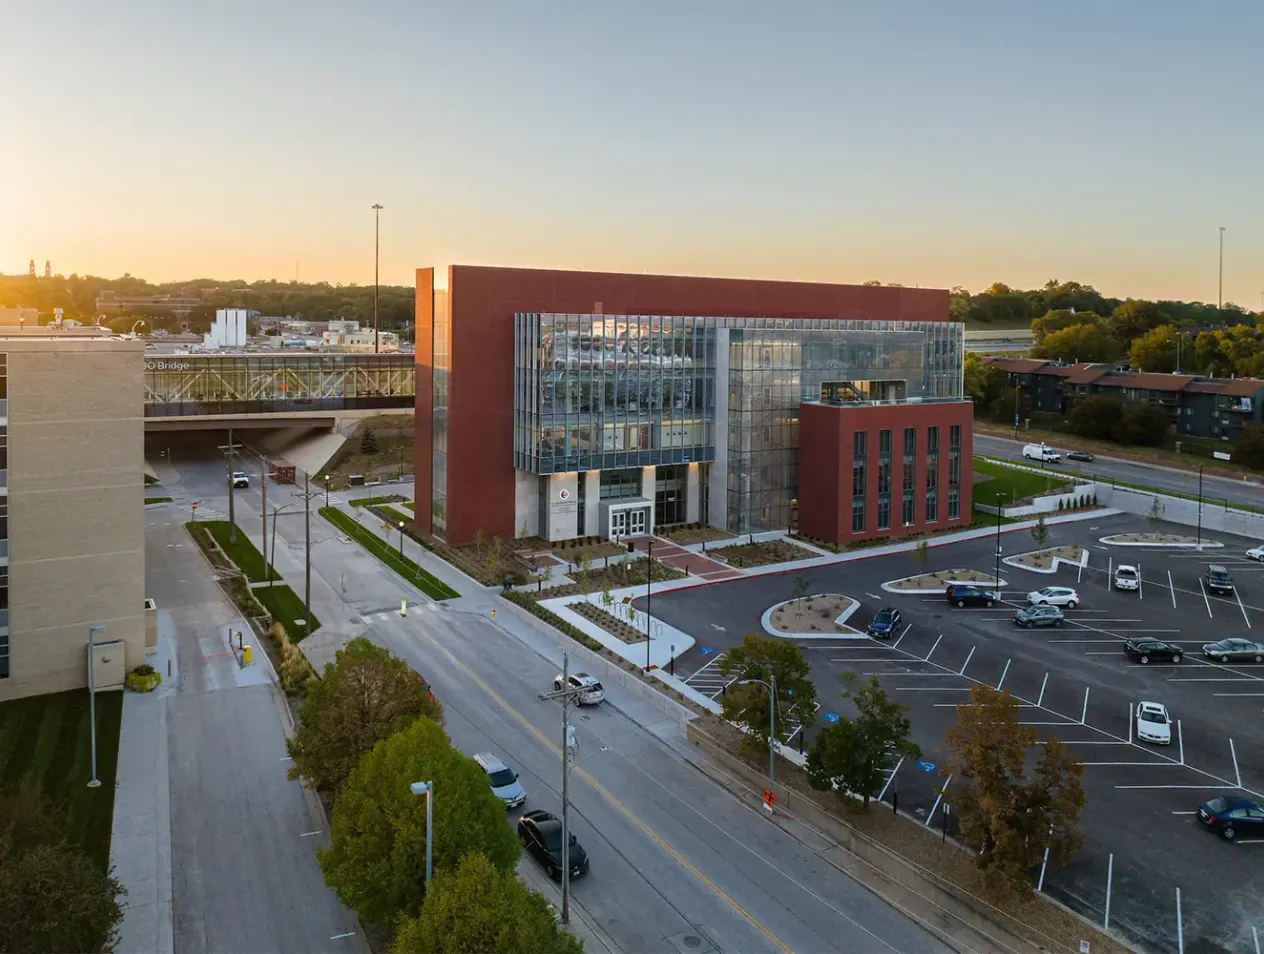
(941, 578)
(608, 621)
(615, 577)
(1153, 538)
(688, 533)
(814, 615)
(747, 555)
(1043, 559)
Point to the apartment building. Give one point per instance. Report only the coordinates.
(72, 553)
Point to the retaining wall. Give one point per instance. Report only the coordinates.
(1215, 517)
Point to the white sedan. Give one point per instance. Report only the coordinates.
(1153, 723)
(1054, 596)
(1256, 553)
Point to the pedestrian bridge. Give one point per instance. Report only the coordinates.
(269, 390)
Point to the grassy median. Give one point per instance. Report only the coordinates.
(243, 553)
(428, 583)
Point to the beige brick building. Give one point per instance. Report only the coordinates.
(72, 502)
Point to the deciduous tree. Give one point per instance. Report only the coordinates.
(1061, 318)
(474, 909)
(1135, 317)
(1096, 416)
(365, 696)
(1040, 532)
(1156, 349)
(747, 705)
(1005, 816)
(1249, 447)
(376, 860)
(1141, 423)
(1081, 342)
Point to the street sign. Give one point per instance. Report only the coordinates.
(926, 766)
(705, 650)
(193, 506)
(831, 717)
(770, 799)
(1084, 947)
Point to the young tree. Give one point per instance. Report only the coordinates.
(492, 562)
(747, 705)
(52, 896)
(368, 442)
(1040, 532)
(1156, 514)
(1006, 817)
(474, 909)
(801, 588)
(921, 555)
(853, 754)
(607, 600)
(367, 695)
(376, 859)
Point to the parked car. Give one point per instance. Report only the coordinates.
(541, 836)
(1081, 455)
(1234, 649)
(1218, 580)
(1232, 814)
(967, 594)
(1143, 650)
(885, 622)
(1127, 578)
(1055, 596)
(1041, 615)
(239, 480)
(1041, 452)
(1153, 723)
(504, 782)
(1256, 553)
(591, 691)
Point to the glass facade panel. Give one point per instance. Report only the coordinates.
(439, 417)
(910, 451)
(884, 480)
(858, 462)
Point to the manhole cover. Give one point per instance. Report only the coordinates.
(692, 940)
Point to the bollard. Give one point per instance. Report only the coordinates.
(403, 607)
(245, 655)
(493, 612)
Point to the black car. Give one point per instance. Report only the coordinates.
(1038, 615)
(541, 836)
(1232, 815)
(1081, 455)
(885, 622)
(1143, 650)
(967, 594)
(1218, 580)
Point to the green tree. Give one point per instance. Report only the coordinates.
(1134, 318)
(365, 696)
(1156, 350)
(1040, 532)
(376, 859)
(1006, 817)
(958, 304)
(1156, 514)
(1248, 449)
(1083, 342)
(854, 755)
(1096, 416)
(1061, 318)
(475, 908)
(52, 896)
(368, 441)
(747, 705)
(921, 555)
(801, 588)
(983, 383)
(1141, 423)
(1000, 305)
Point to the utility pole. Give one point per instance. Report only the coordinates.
(94, 782)
(230, 454)
(377, 245)
(565, 695)
(263, 522)
(1199, 547)
(1220, 292)
(649, 576)
(307, 496)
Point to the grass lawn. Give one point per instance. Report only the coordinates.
(154, 500)
(411, 506)
(45, 740)
(1012, 483)
(243, 552)
(286, 607)
(374, 501)
(428, 583)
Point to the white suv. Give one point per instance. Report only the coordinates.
(504, 782)
(239, 480)
(590, 692)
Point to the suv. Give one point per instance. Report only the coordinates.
(1218, 581)
(1143, 650)
(590, 692)
(504, 782)
(884, 622)
(1038, 615)
(967, 594)
(238, 479)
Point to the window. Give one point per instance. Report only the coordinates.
(884, 480)
(910, 449)
(932, 474)
(932, 441)
(954, 503)
(932, 505)
(858, 515)
(858, 480)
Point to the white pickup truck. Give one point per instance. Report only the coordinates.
(1127, 578)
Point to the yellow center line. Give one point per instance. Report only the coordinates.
(601, 790)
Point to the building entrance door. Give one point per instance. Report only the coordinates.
(618, 524)
(636, 522)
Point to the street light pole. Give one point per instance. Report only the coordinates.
(326, 490)
(94, 782)
(307, 496)
(230, 453)
(1199, 546)
(1220, 292)
(272, 559)
(565, 695)
(649, 575)
(999, 498)
(427, 789)
(377, 245)
(263, 521)
(401, 539)
(771, 686)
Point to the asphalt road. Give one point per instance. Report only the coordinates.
(1236, 492)
(1074, 682)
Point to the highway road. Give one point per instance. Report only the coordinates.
(1236, 492)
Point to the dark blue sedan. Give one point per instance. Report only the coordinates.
(884, 623)
(1231, 816)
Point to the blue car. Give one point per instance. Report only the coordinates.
(884, 623)
(1232, 815)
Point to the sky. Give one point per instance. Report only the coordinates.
(935, 144)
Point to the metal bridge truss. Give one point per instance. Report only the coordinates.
(208, 385)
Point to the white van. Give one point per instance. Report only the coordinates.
(1041, 452)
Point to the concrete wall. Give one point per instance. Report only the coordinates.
(76, 507)
(1215, 517)
(526, 504)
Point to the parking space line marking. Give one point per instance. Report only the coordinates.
(1236, 771)
(1138, 764)
(937, 800)
(915, 675)
(335, 937)
(1200, 679)
(1206, 602)
(929, 688)
(1184, 813)
(1084, 713)
(890, 777)
(1099, 652)
(1238, 597)
(1238, 695)
(1057, 723)
(1042, 690)
(851, 659)
(967, 662)
(1004, 673)
(903, 634)
(1171, 586)
(1202, 787)
(933, 648)
(1085, 742)
(1180, 739)
(1140, 584)
(1130, 722)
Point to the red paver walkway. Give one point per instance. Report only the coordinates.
(692, 563)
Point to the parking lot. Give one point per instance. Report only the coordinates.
(1074, 682)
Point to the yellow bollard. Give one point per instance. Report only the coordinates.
(245, 655)
(493, 613)
(403, 607)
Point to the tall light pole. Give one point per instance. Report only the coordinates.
(565, 695)
(377, 245)
(401, 539)
(92, 698)
(307, 496)
(427, 789)
(1220, 292)
(272, 559)
(1200, 508)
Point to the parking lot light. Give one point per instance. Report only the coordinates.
(998, 546)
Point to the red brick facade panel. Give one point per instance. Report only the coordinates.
(424, 385)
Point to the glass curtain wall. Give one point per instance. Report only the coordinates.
(439, 417)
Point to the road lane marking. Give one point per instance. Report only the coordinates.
(335, 937)
(614, 802)
(308, 834)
